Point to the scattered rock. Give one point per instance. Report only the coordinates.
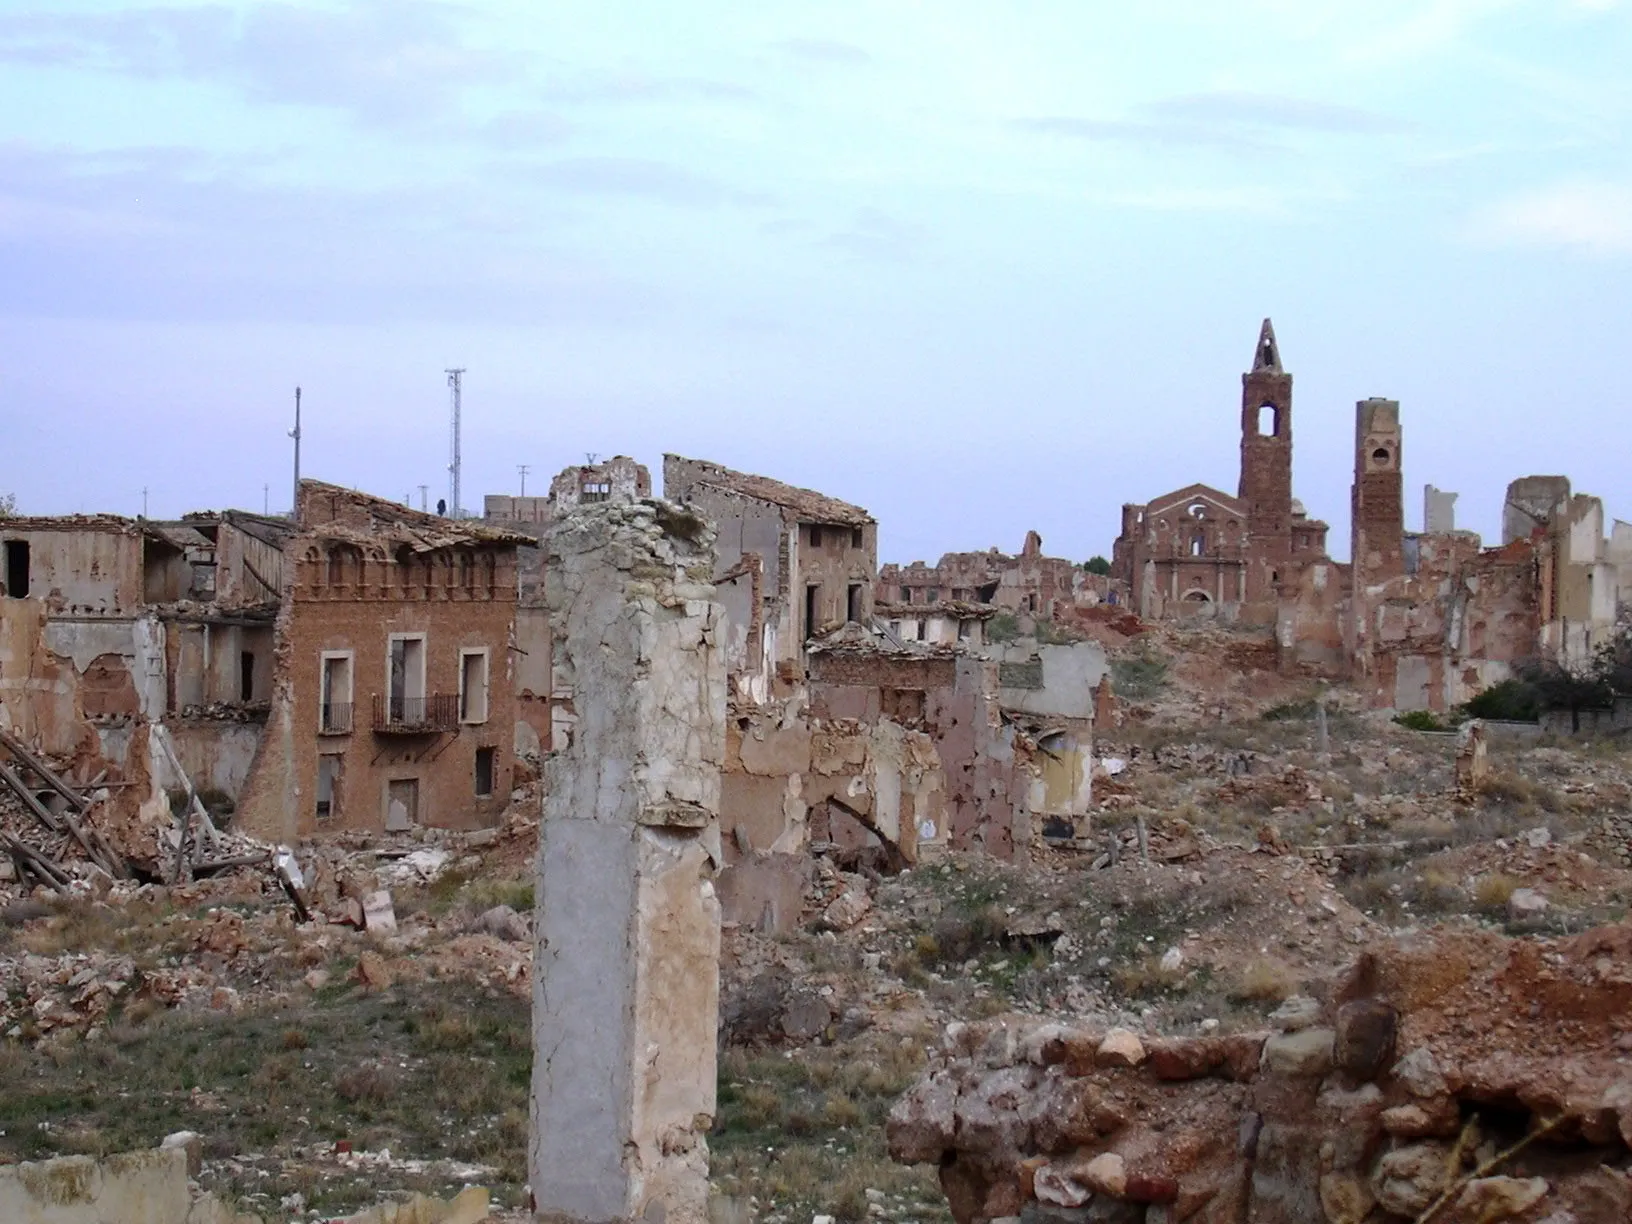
(1525, 903)
(1106, 1173)
(1408, 1179)
(1308, 1052)
(1364, 1037)
(502, 922)
(1120, 1048)
(1297, 1013)
(372, 972)
(1419, 1072)
(1498, 1198)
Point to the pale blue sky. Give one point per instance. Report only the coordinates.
(980, 267)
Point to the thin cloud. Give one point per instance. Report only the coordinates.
(639, 177)
(1592, 217)
(823, 51)
(874, 236)
(632, 89)
(1227, 107)
(1142, 132)
(405, 62)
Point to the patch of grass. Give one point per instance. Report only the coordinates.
(1492, 892)
(804, 1135)
(1517, 790)
(374, 1069)
(1264, 980)
(1139, 676)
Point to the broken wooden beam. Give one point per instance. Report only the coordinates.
(50, 776)
(46, 816)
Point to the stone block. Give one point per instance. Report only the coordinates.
(1304, 1053)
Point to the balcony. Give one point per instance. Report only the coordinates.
(416, 715)
(334, 718)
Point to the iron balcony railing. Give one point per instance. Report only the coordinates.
(410, 715)
(334, 718)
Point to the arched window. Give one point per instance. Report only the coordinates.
(1380, 456)
(1196, 545)
(1269, 421)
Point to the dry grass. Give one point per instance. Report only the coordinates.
(1265, 980)
(1493, 891)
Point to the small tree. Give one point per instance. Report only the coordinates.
(1558, 687)
(8, 505)
(1097, 565)
(1613, 660)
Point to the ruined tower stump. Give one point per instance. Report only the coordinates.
(626, 969)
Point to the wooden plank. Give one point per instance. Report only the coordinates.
(44, 814)
(22, 752)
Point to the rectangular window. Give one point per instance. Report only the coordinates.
(407, 678)
(17, 568)
(473, 685)
(852, 608)
(906, 595)
(328, 785)
(963, 631)
(484, 772)
(334, 709)
(932, 595)
(815, 535)
(855, 537)
(813, 606)
(246, 675)
(596, 491)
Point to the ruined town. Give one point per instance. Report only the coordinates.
(649, 850)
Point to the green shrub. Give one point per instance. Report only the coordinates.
(1511, 700)
(1420, 720)
(1004, 627)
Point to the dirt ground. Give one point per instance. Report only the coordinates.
(1234, 862)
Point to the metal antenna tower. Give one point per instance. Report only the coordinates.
(455, 383)
(424, 495)
(524, 468)
(295, 434)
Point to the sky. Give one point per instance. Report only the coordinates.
(979, 266)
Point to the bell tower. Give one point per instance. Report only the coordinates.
(1377, 506)
(1266, 467)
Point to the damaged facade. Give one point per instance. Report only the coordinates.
(350, 669)
(793, 563)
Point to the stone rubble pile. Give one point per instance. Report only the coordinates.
(1456, 1078)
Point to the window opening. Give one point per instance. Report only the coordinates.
(401, 804)
(407, 698)
(473, 686)
(853, 604)
(246, 675)
(855, 537)
(334, 714)
(1269, 421)
(17, 568)
(328, 784)
(906, 595)
(815, 535)
(1380, 455)
(484, 772)
(920, 631)
(596, 491)
(1196, 546)
(813, 599)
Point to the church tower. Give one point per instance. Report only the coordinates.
(1377, 522)
(1266, 467)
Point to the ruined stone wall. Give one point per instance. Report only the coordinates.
(837, 560)
(626, 969)
(1459, 1076)
(79, 566)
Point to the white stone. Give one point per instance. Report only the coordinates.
(1526, 903)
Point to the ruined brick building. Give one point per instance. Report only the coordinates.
(793, 563)
(393, 704)
(1199, 550)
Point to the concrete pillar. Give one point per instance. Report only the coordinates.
(626, 973)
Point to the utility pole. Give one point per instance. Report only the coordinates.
(524, 468)
(144, 501)
(266, 500)
(455, 383)
(294, 433)
(424, 497)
